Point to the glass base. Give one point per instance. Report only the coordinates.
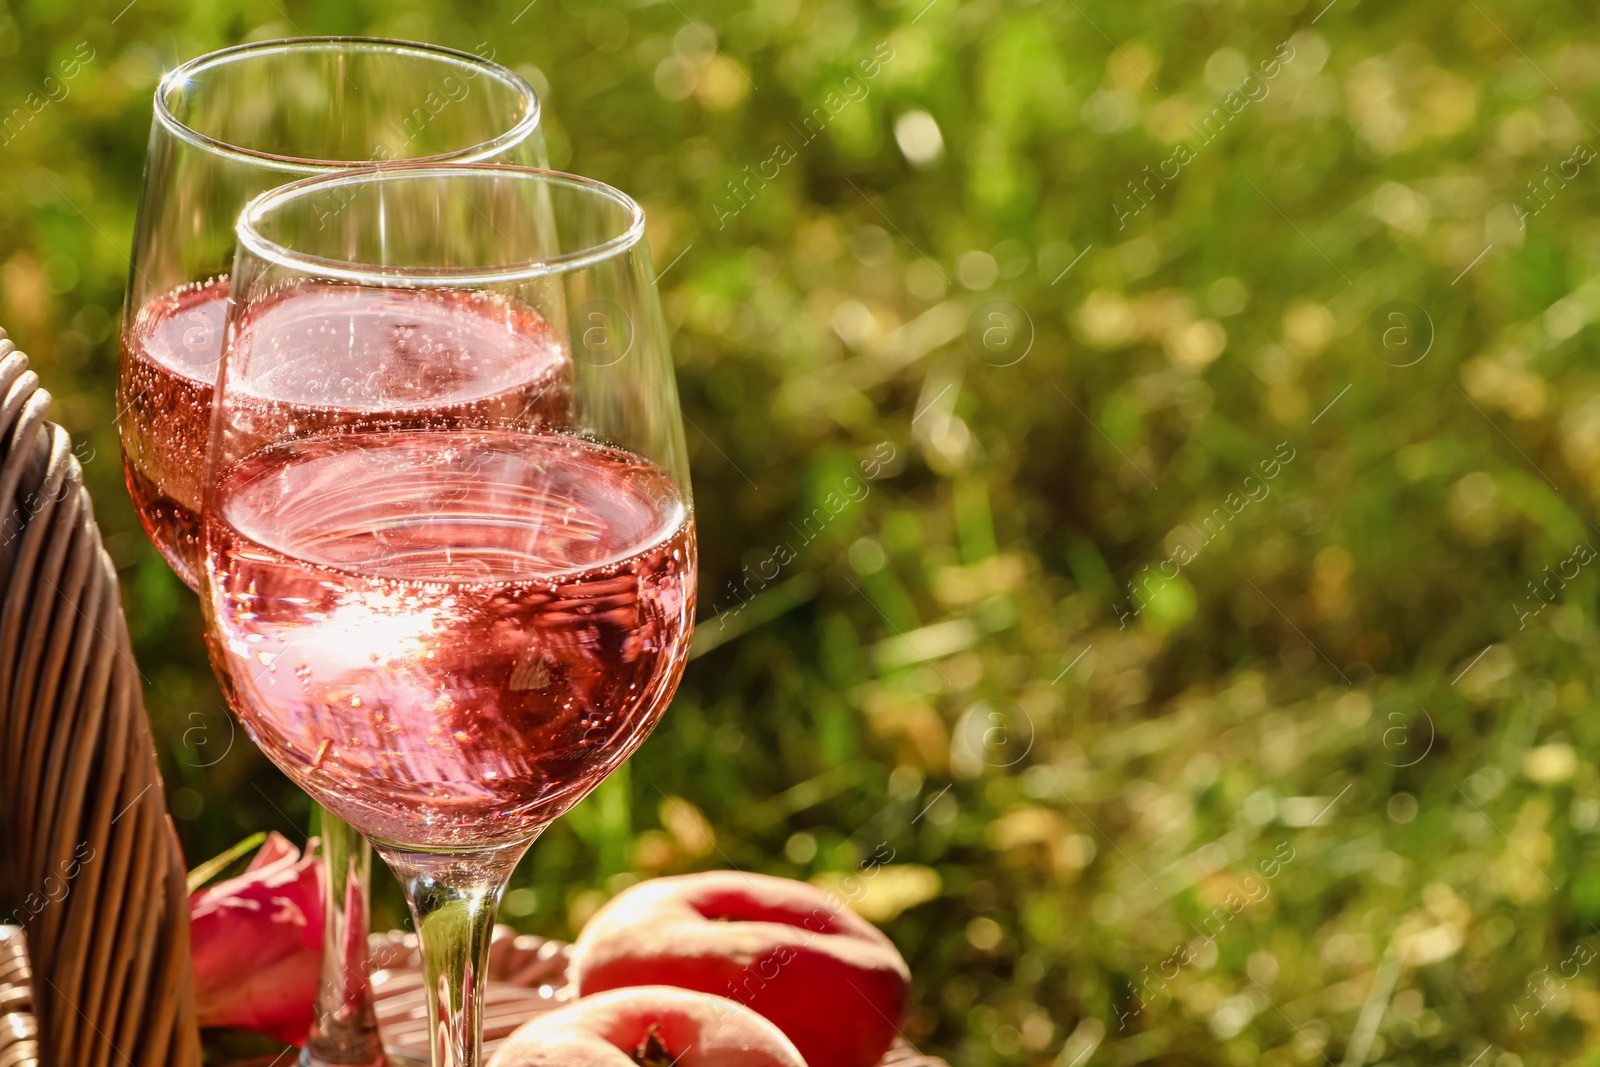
(395, 1058)
(388, 1059)
(344, 1030)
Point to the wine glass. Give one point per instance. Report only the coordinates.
(236, 123)
(227, 127)
(449, 550)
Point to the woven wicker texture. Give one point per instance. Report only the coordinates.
(92, 865)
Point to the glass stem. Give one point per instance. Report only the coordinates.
(453, 897)
(344, 1027)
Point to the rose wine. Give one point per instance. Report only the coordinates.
(448, 637)
(471, 356)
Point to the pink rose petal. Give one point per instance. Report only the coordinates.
(256, 942)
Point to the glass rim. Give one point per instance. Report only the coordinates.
(483, 150)
(252, 240)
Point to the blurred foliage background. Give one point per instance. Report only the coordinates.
(970, 375)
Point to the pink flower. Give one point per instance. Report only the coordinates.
(256, 941)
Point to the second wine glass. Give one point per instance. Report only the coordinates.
(228, 126)
(449, 571)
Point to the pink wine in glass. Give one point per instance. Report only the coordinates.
(438, 631)
(471, 355)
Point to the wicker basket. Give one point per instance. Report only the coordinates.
(92, 859)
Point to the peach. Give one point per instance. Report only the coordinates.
(648, 1026)
(829, 979)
